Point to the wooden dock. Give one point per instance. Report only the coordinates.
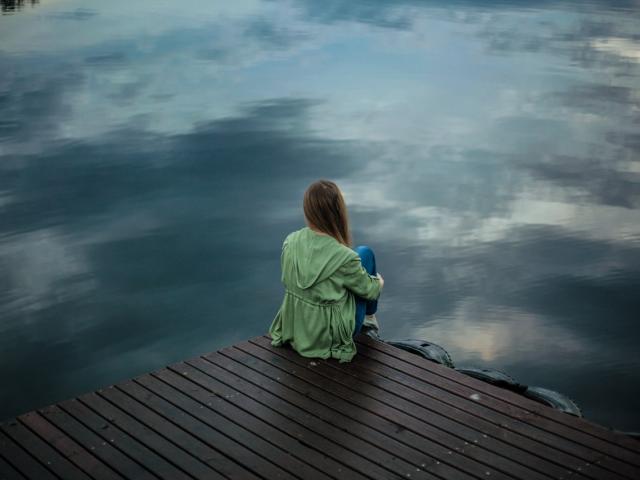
(252, 411)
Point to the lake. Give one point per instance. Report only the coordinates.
(153, 157)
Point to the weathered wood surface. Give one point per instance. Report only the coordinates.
(252, 411)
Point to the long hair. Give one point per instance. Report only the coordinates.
(325, 210)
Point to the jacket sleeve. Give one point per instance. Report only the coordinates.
(356, 279)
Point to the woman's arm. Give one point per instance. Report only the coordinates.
(356, 279)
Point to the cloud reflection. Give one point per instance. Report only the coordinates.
(119, 233)
(475, 335)
(487, 150)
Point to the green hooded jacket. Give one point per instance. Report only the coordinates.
(321, 278)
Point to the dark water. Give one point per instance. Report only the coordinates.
(153, 156)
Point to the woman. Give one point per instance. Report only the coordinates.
(329, 288)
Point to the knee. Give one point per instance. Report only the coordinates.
(365, 253)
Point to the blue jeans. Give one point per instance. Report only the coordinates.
(364, 306)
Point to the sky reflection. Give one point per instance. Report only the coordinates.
(153, 160)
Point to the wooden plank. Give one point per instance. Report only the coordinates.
(71, 450)
(553, 447)
(253, 411)
(22, 461)
(243, 446)
(419, 426)
(103, 450)
(527, 411)
(181, 426)
(218, 367)
(328, 440)
(581, 428)
(46, 454)
(471, 429)
(367, 411)
(203, 394)
(521, 449)
(7, 472)
(291, 454)
(120, 440)
(186, 465)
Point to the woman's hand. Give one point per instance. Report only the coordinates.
(381, 280)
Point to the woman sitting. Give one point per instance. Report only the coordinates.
(330, 289)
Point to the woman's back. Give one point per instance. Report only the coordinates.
(321, 278)
(309, 260)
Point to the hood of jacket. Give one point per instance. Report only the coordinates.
(308, 258)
